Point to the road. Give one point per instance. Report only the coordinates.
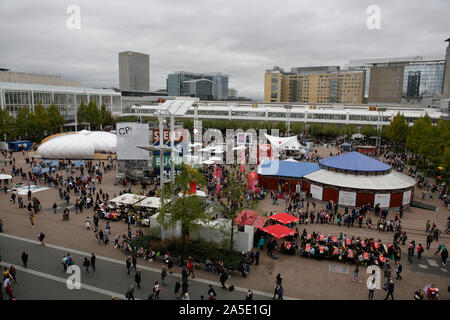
(45, 279)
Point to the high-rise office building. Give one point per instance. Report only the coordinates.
(397, 80)
(134, 71)
(206, 86)
(321, 84)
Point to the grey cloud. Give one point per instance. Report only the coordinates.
(241, 38)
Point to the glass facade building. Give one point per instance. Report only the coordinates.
(212, 86)
(423, 78)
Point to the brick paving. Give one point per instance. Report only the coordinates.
(303, 278)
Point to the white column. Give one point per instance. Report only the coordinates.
(161, 152)
(172, 144)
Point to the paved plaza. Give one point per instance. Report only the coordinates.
(303, 278)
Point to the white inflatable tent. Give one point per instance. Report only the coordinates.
(80, 145)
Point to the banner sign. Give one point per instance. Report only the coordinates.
(347, 198)
(129, 136)
(316, 192)
(383, 199)
(406, 198)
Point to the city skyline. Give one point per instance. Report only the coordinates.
(287, 35)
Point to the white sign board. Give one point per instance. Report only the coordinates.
(406, 197)
(130, 135)
(347, 198)
(383, 199)
(316, 192)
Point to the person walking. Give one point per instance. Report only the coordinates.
(134, 261)
(223, 278)
(87, 223)
(93, 259)
(24, 258)
(12, 272)
(41, 238)
(128, 265)
(419, 251)
(398, 271)
(249, 295)
(86, 264)
(137, 278)
(64, 263)
(177, 290)
(158, 289)
(257, 257)
(390, 289)
(130, 293)
(32, 220)
(280, 293)
(55, 206)
(211, 293)
(163, 275)
(276, 288)
(356, 274)
(429, 241)
(372, 286)
(190, 266)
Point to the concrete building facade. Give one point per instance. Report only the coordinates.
(134, 71)
(322, 84)
(33, 78)
(14, 96)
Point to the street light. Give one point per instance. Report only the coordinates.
(288, 109)
(140, 111)
(380, 122)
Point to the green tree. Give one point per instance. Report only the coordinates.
(82, 114)
(398, 129)
(315, 129)
(368, 130)
(55, 118)
(331, 130)
(23, 122)
(106, 117)
(297, 127)
(349, 130)
(6, 125)
(94, 115)
(183, 207)
(417, 135)
(234, 201)
(40, 121)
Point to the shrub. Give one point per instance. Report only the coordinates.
(199, 250)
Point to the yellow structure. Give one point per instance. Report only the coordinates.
(314, 85)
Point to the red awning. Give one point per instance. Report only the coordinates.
(250, 218)
(284, 218)
(279, 231)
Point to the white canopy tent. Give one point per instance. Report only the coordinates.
(128, 198)
(199, 193)
(150, 202)
(5, 177)
(284, 143)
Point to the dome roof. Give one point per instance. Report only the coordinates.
(354, 161)
(81, 145)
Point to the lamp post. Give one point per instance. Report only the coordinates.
(380, 123)
(288, 108)
(140, 111)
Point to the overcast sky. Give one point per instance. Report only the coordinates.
(241, 38)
